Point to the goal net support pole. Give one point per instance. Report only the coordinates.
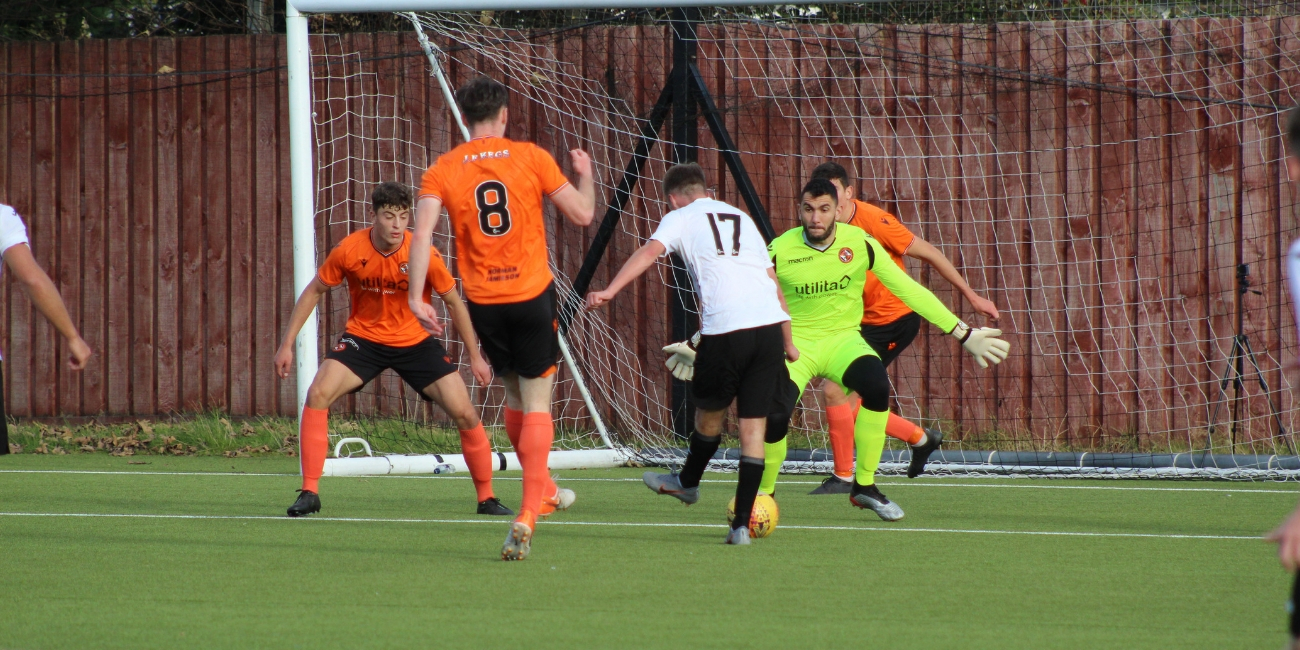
(302, 189)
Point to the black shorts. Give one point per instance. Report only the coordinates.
(418, 365)
(1291, 608)
(519, 337)
(747, 366)
(891, 339)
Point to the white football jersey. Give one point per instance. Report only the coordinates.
(12, 229)
(728, 262)
(1293, 277)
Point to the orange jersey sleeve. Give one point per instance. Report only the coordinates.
(493, 191)
(331, 273)
(548, 173)
(879, 306)
(439, 277)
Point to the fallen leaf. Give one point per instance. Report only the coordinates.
(145, 426)
(166, 70)
(15, 449)
(137, 462)
(230, 431)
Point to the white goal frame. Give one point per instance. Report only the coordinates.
(303, 189)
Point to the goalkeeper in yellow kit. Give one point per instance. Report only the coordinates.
(821, 268)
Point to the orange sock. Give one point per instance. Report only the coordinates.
(514, 426)
(904, 429)
(534, 450)
(478, 456)
(840, 422)
(313, 444)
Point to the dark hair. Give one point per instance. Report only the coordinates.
(481, 99)
(832, 172)
(820, 187)
(680, 178)
(1293, 131)
(389, 194)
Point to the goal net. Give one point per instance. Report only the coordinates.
(1109, 174)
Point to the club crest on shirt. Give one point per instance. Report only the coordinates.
(402, 268)
(846, 255)
(343, 344)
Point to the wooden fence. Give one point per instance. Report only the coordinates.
(153, 175)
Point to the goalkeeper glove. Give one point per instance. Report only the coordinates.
(682, 360)
(982, 342)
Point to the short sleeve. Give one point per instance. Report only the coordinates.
(669, 233)
(431, 183)
(12, 229)
(439, 277)
(885, 227)
(331, 272)
(549, 176)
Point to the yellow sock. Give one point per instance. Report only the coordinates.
(869, 438)
(773, 456)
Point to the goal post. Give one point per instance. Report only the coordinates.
(1060, 159)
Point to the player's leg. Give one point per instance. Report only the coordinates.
(841, 412)
(533, 349)
(889, 341)
(785, 398)
(784, 401)
(712, 390)
(867, 376)
(427, 366)
(343, 371)
(4, 416)
(761, 377)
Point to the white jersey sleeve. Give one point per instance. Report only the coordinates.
(12, 229)
(1293, 278)
(728, 262)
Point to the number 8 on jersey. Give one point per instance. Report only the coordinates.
(493, 210)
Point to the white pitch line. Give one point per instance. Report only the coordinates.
(891, 484)
(888, 529)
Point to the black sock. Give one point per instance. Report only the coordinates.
(751, 474)
(702, 450)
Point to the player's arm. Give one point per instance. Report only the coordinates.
(632, 269)
(478, 366)
(578, 204)
(427, 211)
(982, 342)
(42, 292)
(1287, 536)
(926, 252)
(787, 328)
(301, 312)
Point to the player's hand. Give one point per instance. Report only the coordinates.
(791, 352)
(78, 353)
(982, 342)
(480, 368)
(984, 306)
(580, 161)
(284, 361)
(1287, 538)
(681, 360)
(597, 298)
(428, 318)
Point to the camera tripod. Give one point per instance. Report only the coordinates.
(1234, 372)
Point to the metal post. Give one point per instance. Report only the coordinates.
(302, 189)
(681, 299)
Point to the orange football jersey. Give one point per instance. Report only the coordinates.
(492, 189)
(880, 307)
(377, 284)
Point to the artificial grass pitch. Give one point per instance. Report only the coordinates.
(406, 563)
